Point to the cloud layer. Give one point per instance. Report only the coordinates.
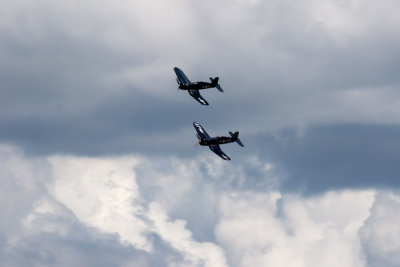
(97, 78)
(98, 211)
(98, 163)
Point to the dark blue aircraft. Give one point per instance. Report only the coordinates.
(214, 142)
(194, 87)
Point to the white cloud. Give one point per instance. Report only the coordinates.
(102, 193)
(99, 201)
(275, 230)
(38, 230)
(177, 236)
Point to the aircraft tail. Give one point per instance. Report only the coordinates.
(235, 137)
(214, 83)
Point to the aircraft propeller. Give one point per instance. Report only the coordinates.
(198, 140)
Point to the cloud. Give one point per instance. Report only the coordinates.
(96, 79)
(39, 230)
(284, 230)
(22, 182)
(175, 233)
(88, 93)
(333, 157)
(102, 193)
(124, 212)
(109, 204)
(380, 234)
(53, 235)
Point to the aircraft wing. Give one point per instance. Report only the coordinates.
(181, 76)
(217, 150)
(196, 95)
(202, 133)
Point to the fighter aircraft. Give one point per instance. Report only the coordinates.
(194, 87)
(214, 142)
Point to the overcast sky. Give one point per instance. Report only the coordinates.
(100, 165)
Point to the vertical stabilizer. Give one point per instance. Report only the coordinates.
(235, 137)
(214, 83)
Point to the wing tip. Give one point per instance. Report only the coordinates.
(226, 158)
(203, 102)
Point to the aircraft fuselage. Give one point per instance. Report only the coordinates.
(195, 86)
(216, 141)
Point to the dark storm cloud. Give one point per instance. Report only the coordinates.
(58, 89)
(335, 157)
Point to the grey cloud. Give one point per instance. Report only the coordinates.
(22, 183)
(334, 157)
(80, 247)
(312, 90)
(100, 82)
(379, 235)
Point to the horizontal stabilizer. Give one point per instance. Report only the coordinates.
(239, 142)
(215, 83)
(236, 138)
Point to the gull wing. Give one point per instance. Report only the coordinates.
(200, 130)
(196, 95)
(181, 76)
(217, 150)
